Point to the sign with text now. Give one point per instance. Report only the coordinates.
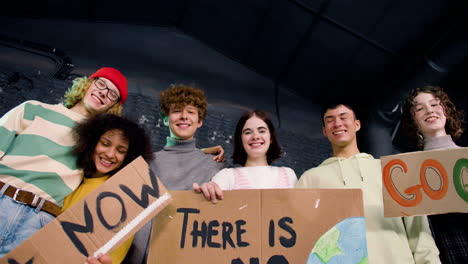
(100, 222)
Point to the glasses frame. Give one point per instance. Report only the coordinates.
(109, 90)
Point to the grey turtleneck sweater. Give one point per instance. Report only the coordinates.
(183, 164)
(443, 142)
(178, 167)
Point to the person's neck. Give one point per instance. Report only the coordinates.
(345, 151)
(253, 162)
(96, 174)
(81, 109)
(170, 141)
(439, 133)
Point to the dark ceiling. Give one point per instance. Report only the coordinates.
(320, 49)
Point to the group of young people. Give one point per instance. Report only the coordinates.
(53, 155)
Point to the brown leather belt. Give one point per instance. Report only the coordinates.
(31, 199)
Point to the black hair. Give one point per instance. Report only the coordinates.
(88, 133)
(239, 155)
(333, 105)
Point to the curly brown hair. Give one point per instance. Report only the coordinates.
(181, 95)
(88, 133)
(239, 155)
(453, 126)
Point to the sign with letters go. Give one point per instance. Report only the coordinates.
(425, 182)
(276, 226)
(100, 222)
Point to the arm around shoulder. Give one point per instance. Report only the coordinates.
(216, 151)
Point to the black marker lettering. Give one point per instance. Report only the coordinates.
(285, 242)
(199, 233)
(277, 259)
(123, 213)
(186, 212)
(240, 231)
(227, 231)
(71, 228)
(145, 191)
(239, 261)
(13, 261)
(271, 233)
(213, 232)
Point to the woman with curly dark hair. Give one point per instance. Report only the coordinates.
(255, 148)
(431, 119)
(106, 144)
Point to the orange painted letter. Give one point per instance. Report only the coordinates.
(414, 191)
(440, 170)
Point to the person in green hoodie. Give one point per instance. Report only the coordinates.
(389, 240)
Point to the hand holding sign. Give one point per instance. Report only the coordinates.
(100, 259)
(210, 190)
(261, 226)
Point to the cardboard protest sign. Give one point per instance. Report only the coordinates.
(99, 223)
(425, 182)
(261, 226)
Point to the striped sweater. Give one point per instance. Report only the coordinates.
(35, 150)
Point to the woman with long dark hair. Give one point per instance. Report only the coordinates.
(255, 148)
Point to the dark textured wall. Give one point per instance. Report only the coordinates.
(152, 58)
(300, 153)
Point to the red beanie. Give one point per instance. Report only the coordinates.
(116, 77)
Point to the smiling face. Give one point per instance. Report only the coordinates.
(96, 100)
(256, 138)
(184, 121)
(110, 152)
(429, 115)
(340, 126)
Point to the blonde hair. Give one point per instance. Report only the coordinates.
(78, 90)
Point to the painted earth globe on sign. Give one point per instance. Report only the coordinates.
(345, 243)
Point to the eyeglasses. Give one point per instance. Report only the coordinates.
(111, 94)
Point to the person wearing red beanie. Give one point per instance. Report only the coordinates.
(104, 91)
(116, 78)
(33, 184)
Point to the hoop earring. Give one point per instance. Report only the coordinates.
(420, 136)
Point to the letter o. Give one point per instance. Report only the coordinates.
(123, 215)
(458, 180)
(439, 168)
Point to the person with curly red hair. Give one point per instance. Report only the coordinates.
(433, 122)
